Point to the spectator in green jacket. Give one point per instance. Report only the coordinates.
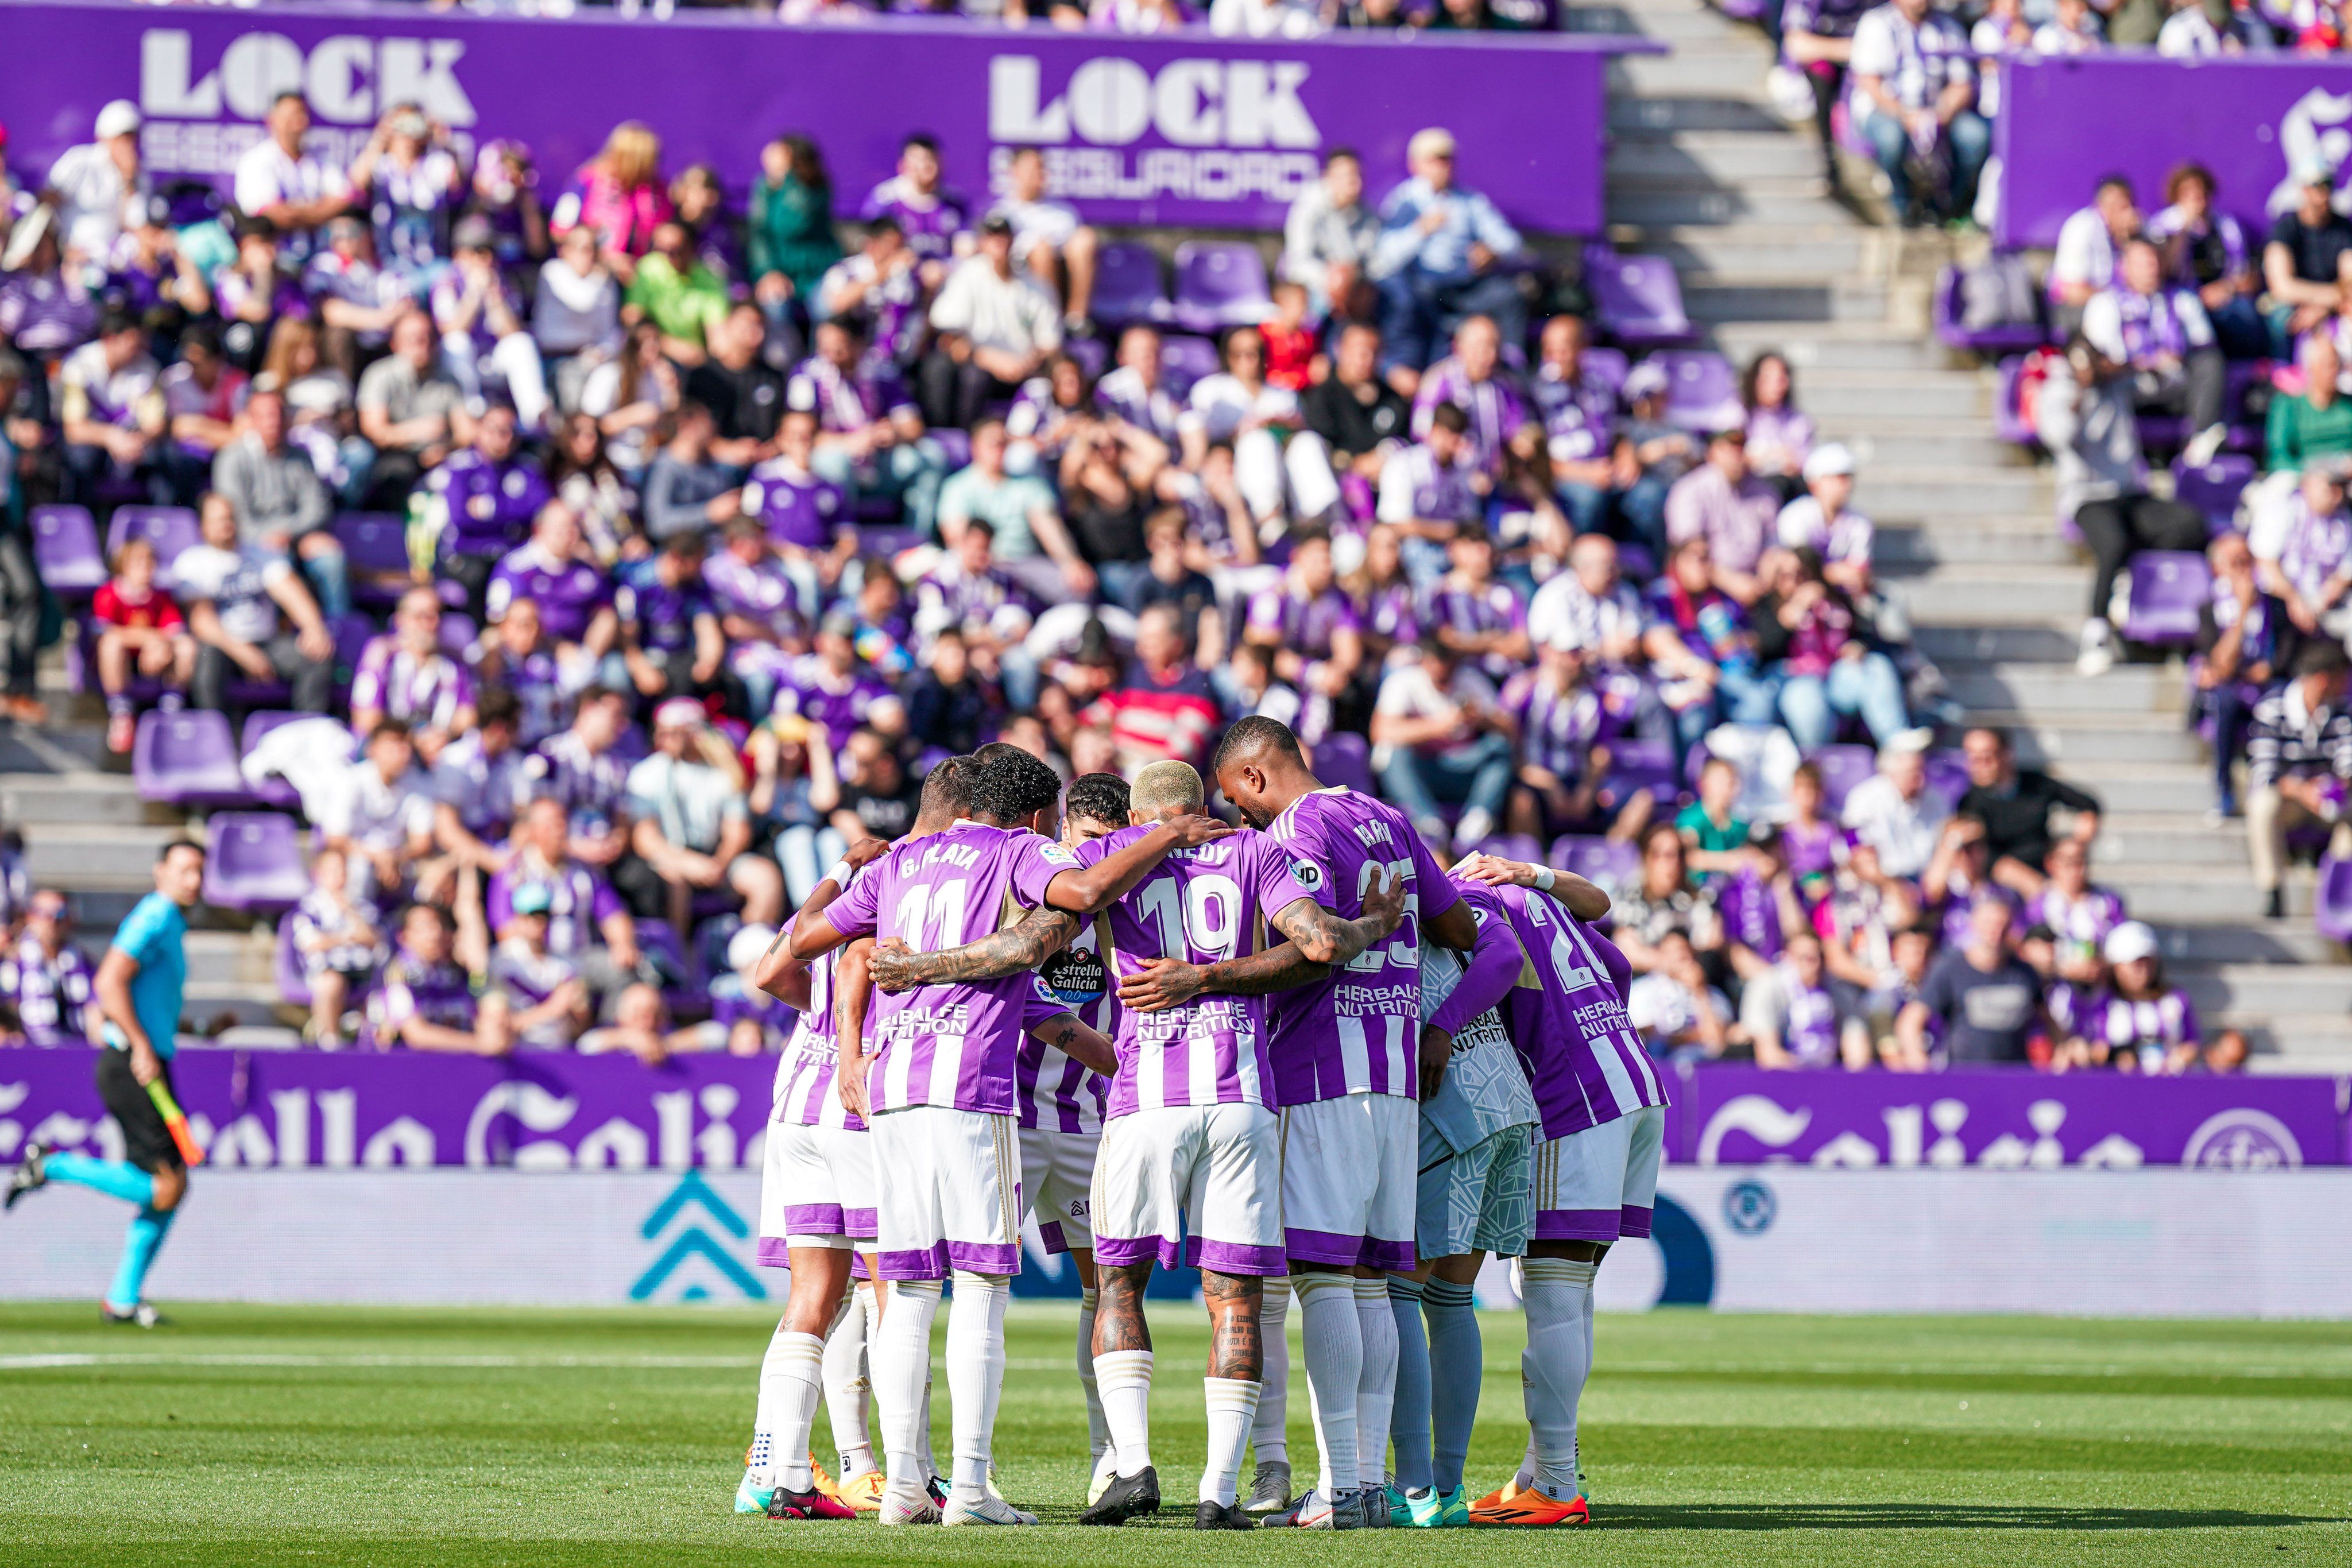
(2315, 423)
(677, 292)
(792, 240)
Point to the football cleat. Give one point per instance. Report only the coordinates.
(1106, 1472)
(1269, 1489)
(1126, 1497)
(750, 1499)
(811, 1504)
(1315, 1511)
(1532, 1507)
(1211, 1515)
(29, 1175)
(143, 1316)
(822, 1481)
(968, 1505)
(1423, 1509)
(863, 1492)
(906, 1505)
(1497, 1497)
(1372, 1507)
(1453, 1508)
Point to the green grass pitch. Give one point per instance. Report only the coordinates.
(450, 1439)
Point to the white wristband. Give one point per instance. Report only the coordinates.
(840, 874)
(1544, 878)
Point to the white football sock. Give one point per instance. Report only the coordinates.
(1376, 1385)
(901, 1359)
(847, 1393)
(791, 1375)
(1332, 1337)
(1555, 1365)
(1270, 1427)
(975, 1370)
(1097, 1428)
(1232, 1404)
(1125, 1377)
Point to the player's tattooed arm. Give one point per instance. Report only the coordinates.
(1090, 1048)
(1027, 944)
(1324, 938)
(853, 994)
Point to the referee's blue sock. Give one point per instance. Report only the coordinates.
(1409, 1422)
(148, 1228)
(116, 1178)
(1456, 1359)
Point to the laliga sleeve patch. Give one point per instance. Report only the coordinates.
(1058, 854)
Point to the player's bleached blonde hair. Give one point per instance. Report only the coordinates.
(1165, 784)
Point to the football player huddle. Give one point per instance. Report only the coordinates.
(1298, 1055)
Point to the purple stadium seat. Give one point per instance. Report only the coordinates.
(186, 758)
(1511, 847)
(2169, 590)
(1603, 861)
(2008, 422)
(376, 545)
(352, 634)
(457, 633)
(172, 530)
(255, 863)
(661, 943)
(293, 985)
(1842, 769)
(955, 445)
(65, 549)
(1092, 353)
(1183, 360)
(2331, 903)
(1947, 774)
(1345, 758)
(2214, 490)
(1701, 390)
(1951, 290)
(1128, 287)
(1219, 283)
(1608, 367)
(273, 791)
(887, 543)
(1637, 300)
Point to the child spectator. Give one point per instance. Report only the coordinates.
(1717, 838)
(338, 939)
(1794, 1017)
(1290, 342)
(140, 633)
(545, 998)
(2139, 1024)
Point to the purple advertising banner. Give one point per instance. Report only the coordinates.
(2064, 124)
(2007, 1120)
(1187, 128)
(534, 1111)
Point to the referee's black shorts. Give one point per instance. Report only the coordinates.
(146, 1141)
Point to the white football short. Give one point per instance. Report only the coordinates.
(816, 1189)
(1215, 1170)
(1600, 1185)
(1348, 1180)
(947, 1189)
(1058, 1173)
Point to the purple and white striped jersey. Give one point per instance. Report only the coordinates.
(804, 1096)
(1584, 1060)
(424, 693)
(1357, 1031)
(1055, 1092)
(2147, 1027)
(930, 222)
(951, 1045)
(1204, 906)
(1557, 729)
(568, 593)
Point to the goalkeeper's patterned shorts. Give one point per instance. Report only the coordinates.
(1482, 1199)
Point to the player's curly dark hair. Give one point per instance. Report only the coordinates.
(1248, 735)
(1010, 785)
(947, 789)
(1099, 798)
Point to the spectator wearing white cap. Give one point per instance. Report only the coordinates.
(1438, 260)
(692, 836)
(1822, 521)
(92, 185)
(2139, 1024)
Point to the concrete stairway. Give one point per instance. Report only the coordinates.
(1702, 171)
